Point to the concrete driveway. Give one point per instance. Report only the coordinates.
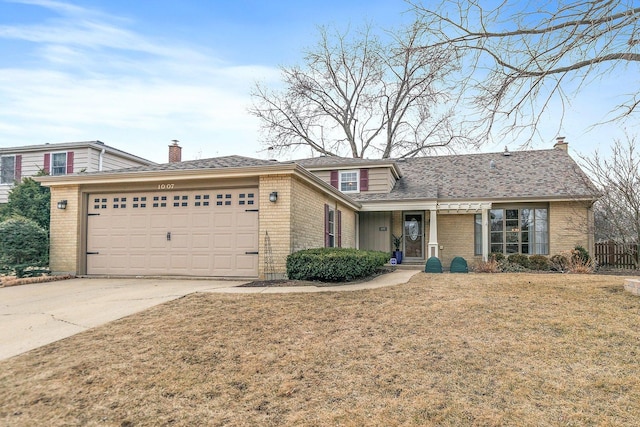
(38, 314)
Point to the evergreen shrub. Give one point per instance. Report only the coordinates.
(334, 264)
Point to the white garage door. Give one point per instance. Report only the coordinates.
(189, 233)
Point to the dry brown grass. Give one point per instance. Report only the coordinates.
(449, 350)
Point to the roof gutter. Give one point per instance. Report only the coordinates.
(179, 175)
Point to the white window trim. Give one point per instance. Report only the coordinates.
(66, 157)
(332, 227)
(357, 172)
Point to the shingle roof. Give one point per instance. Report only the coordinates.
(521, 175)
(542, 174)
(212, 163)
(323, 161)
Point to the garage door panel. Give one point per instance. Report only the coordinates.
(200, 241)
(210, 233)
(223, 242)
(159, 220)
(248, 220)
(157, 261)
(223, 220)
(246, 263)
(247, 241)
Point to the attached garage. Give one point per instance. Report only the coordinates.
(232, 216)
(186, 233)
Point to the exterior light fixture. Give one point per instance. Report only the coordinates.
(62, 204)
(273, 196)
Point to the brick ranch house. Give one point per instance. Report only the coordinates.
(240, 217)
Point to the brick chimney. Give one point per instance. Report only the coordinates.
(175, 152)
(561, 144)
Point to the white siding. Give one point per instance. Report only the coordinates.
(86, 159)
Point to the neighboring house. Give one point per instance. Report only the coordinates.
(60, 159)
(240, 217)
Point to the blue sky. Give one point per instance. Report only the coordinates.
(138, 74)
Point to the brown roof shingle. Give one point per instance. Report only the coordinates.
(544, 174)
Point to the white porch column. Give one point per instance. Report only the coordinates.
(485, 235)
(433, 233)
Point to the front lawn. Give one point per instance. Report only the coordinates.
(452, 350)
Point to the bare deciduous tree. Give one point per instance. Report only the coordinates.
(357, 96)
(521, 56)
(617, 176)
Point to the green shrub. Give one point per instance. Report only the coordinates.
(23, 244)
(334, 264)
(539, 262)
(520, 259)
(581, 254)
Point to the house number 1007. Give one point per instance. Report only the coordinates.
(165, 186)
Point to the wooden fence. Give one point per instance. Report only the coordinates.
(619, 255)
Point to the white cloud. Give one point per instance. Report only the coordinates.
(98, 79)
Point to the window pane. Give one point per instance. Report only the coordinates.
(541, 236)
(59, 164)
(348, 181)
(332, 238)
(497, 219)
(7, 170)
(526, 219)
(495, 248)
(478, 234)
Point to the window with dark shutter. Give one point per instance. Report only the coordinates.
(339, 228)
(326, 226)
(18, 167)
(47, 163)
(7, 169)
(364, 179)
(334, 179)
(70, 162)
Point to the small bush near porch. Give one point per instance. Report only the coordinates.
(334, 264)
(450, 350)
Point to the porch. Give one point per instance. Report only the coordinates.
(443, 230)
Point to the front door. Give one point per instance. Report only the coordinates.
(414, 236)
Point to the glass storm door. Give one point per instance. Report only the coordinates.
(414, 236)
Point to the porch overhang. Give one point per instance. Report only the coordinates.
(462, 207)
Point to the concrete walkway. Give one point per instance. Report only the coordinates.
(391, 279)
(38, 314)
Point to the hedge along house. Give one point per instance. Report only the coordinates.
(240, 217)
(222, 217)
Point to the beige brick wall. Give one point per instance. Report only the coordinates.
(569, 226)
(275, 226)
(455, 236)
(349, 221)
(295, 222)
(65, 230)
(308, 218)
